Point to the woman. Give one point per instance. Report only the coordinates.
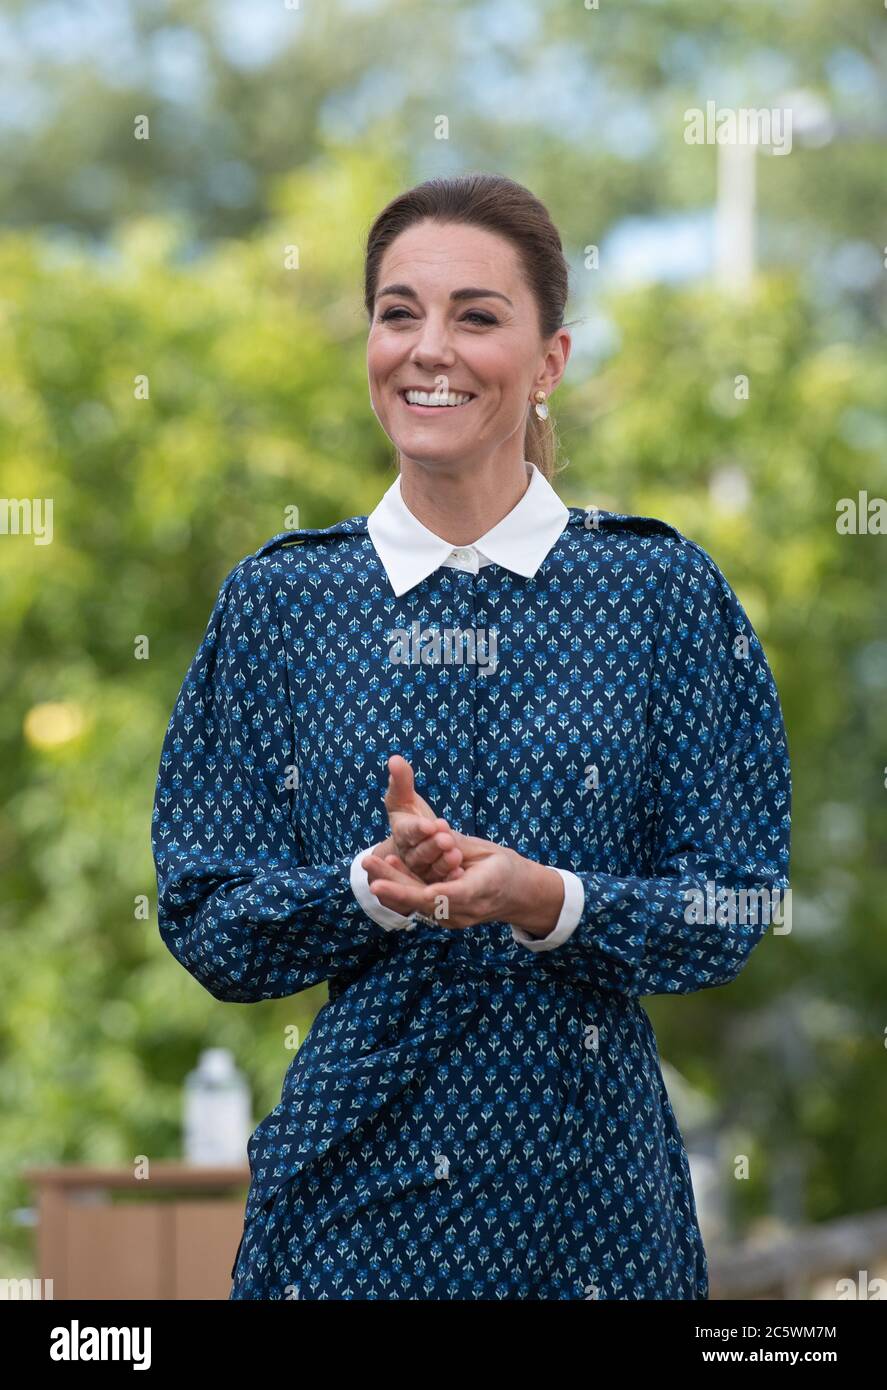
(478, 1112)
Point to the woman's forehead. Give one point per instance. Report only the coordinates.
(450, 252)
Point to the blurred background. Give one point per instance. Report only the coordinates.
(185, 189)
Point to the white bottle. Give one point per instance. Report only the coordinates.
(217, 1110)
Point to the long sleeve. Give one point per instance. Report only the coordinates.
(236, 906)
(717, 807)
(373, 906)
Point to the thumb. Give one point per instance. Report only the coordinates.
(401, 784)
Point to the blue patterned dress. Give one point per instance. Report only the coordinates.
(468, 1118)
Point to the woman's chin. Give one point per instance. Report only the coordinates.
(428, 447)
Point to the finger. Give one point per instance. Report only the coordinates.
(453, 839)
(449, 852)
(463, 842)
(395, 870)
(448, 876)
(409, 830)
(434, 873)
(401, 783)
(430, 875)
(399, 864)
(430, 862)
(435, 901)
(443, 866)
(404, 896)
(377, 868)
(433, 850)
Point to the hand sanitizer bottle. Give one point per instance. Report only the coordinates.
(217, 1110)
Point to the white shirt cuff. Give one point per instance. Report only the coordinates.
(360, 886)
(571, 911)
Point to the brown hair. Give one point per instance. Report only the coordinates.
(500, 205)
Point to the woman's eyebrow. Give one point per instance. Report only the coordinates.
(472, 292)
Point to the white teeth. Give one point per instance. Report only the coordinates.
(436, 398)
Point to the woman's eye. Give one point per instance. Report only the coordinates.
(475, 315)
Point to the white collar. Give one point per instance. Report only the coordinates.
(519, 542)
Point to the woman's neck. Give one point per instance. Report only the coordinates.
(458, 506)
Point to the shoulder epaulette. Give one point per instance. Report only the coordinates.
(352, 525)
(623, 521)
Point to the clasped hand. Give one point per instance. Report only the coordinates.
(426, 866)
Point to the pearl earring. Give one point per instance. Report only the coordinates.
(541, 407)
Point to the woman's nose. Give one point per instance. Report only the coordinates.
(433, 346)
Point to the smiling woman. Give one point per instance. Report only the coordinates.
(479, 1110)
